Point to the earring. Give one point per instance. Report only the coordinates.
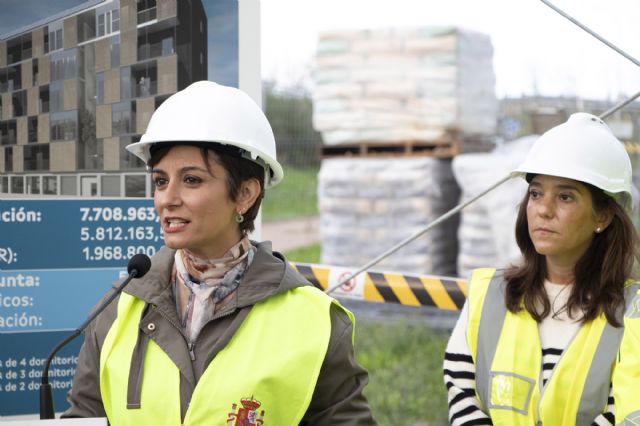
(598, 230)
(239, 217)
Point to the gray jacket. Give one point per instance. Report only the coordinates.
(337, 399)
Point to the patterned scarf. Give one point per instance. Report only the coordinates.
(202, 286)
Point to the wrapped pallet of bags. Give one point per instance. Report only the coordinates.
(409, 87)
(368, 205)
(486, 234)
(416, 84)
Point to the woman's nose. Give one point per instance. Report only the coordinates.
(169, 196)
(545, 206)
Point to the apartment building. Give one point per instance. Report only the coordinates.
(79, 86)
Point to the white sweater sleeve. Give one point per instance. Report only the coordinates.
(459, 377)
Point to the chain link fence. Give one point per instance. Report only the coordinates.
(298, 147)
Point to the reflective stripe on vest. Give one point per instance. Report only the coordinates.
(268, 370)
(626, 376)
(508, 358)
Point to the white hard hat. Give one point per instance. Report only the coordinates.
(209, 112)
(583, 149)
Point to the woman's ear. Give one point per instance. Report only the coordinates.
(249, 192)
(603, 219)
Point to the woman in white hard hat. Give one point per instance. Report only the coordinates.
(221, 330)
(536, 343)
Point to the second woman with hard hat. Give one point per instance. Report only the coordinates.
(537, 343)
(221, 330)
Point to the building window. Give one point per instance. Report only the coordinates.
(167, 46)
(35, 73)
(14, 78)
(8, 135)
(123, 118)
(64, 126)
(126, 86)
(154, 42)
(128, 161)
(19, 48)
(64, 65)
(115, 20)
(90, 154)
(49, 185)
(44, 99)
(55, 38)
(134, 185)
(8, 159)
(33, 184)
(108, 22)
(146, 10)
(56, 94)
(4, 184)
(19, 102)
(115, 51)
(68, 185)
(145, 77)
(17, 184)
(144, 87)
(159, 100)
(4, 80)
(99, 88)
(110, 186)
(36, 157)
(33, 129)
(46, 40)
(101, 26)
(86, 25)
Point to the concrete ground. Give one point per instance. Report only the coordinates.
(291, 234)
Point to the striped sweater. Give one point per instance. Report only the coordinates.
(555, 333)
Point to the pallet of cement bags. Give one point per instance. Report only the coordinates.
(486, 234)
(404, 85)
(367, 205)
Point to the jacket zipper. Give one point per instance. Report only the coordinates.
(191, 345)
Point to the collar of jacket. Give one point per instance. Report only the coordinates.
(268, 274)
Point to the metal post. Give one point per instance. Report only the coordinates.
(250, 78)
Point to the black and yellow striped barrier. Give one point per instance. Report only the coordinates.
(412, 290)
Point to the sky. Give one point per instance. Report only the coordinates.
(536, 51)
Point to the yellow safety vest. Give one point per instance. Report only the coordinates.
(508, 357)
(265, 375)
(626, 376)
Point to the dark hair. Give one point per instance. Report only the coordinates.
(238, 169)
(600, 274)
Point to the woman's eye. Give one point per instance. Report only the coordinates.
(566, 197)
(192, 180)
(159, 181)
(534, 194)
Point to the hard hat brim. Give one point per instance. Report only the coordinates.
(273, 175)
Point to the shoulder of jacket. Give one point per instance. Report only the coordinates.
(485, 275)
